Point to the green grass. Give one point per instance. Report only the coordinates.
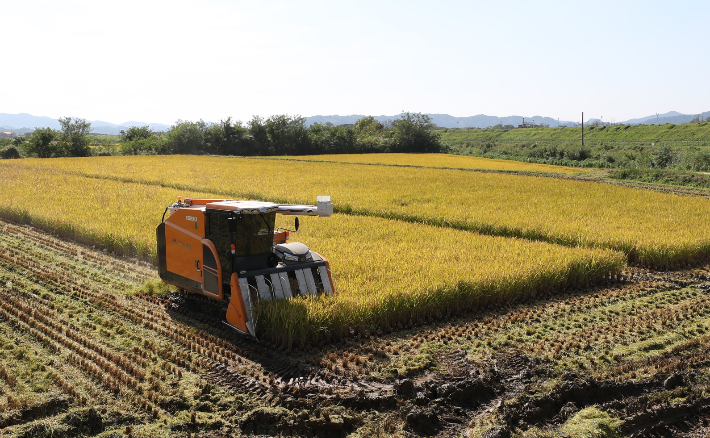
(687, 132)
(685, 146)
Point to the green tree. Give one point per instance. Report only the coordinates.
(329, 139)
(371, 136)
(259, 136)
(227, 138)
(186, 138)
(74, 138)
(415, 133)
(138, 133)
(42, 143)
(288, 135)
(368, 125)
(139, 140)
(10, 152)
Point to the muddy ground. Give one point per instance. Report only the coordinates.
(90, 347)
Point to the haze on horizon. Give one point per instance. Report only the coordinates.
(160, 61)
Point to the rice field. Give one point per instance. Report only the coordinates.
(653, 229)
(474, 334)
(390, 273)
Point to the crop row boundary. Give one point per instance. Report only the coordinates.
(110, 243)
(539, 173)
(667, 259)
(288, 322)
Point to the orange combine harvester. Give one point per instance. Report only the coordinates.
(230, 251)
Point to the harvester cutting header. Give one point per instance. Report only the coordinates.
(231, 251)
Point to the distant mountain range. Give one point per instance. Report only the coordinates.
(671, 117)
(447, 121)
(24, 123)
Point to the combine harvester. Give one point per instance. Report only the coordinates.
(230, 251)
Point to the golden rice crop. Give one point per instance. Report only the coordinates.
(447, 161)
(657, 229)
(388, 272)
(392, 274)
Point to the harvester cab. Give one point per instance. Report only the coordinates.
(231, 251)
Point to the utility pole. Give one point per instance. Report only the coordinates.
(582, 128)
(656, 118)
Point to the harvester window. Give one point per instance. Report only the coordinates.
(218, 233)
(253, 240)
(255, 234)
(218, 227)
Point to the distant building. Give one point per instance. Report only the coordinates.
(526, 125)
(7, 134)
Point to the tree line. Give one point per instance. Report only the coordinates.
(72, 140)
(276, 135)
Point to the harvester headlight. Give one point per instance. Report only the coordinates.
(294, 258)
(290, 257)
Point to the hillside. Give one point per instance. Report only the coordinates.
(640, 133)
(681, 147)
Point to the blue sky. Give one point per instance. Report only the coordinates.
(160, 61)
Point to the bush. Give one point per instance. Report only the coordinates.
(578, 154)
(10, 152)
(663, 157)
(701, 161)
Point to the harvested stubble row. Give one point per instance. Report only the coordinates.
(656, 229)
(71, 320)
(389, 273)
